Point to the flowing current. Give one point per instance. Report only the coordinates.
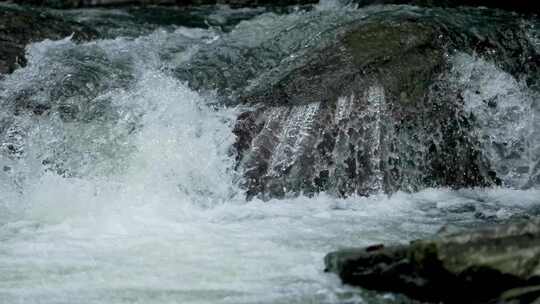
(124, 191)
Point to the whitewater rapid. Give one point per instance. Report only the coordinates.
(125, 192)
(158, 252)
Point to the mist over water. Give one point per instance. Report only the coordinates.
(118, 184)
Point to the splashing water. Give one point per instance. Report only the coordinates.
(335, 5)
(118, 185)
(506, 111)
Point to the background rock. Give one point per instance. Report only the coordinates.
(19, 27)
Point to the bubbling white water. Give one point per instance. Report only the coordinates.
(232, 253)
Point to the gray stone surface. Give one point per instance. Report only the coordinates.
(499, 263)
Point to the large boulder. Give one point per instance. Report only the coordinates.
(376, 110)
(21, 26)
(499, 263)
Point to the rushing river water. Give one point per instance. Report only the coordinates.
(125, 192)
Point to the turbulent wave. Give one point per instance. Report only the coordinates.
(508, 124)
(103, 117)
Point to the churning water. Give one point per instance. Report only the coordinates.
(118, 184)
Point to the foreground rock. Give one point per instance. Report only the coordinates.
(381, 109)
(19, 27)
(499, 264)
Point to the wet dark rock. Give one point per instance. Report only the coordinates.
(498, 264)
(21, 26)
(375, 111)
(261, 54)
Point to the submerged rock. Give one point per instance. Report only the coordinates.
(377, 110)
(499, 264)
(21, 26)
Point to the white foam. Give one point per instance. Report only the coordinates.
(233, 253)
(504, 110)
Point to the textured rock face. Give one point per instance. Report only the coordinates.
(452, 268)
(374, 112)
(330, 123)
(19, 27)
